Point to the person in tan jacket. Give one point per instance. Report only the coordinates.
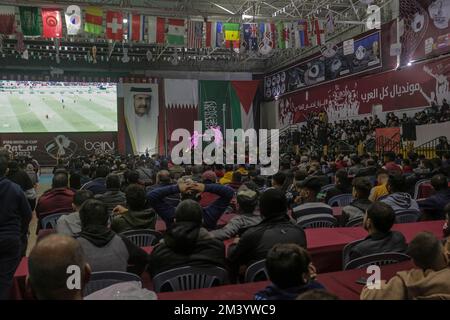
(430, 280)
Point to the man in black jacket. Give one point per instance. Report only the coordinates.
(378, 222)
(187, 243)
(15, 216)
(357, 208)
(276, 227)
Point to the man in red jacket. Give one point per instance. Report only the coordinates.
(56, 200)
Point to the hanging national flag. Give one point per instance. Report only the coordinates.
(136, 27)
(176, 31)
(220, 35)
(93, 20)
(211, 32)
(250, 36)
(281, 35)
(195, 34)
(232, 32)
(7, 19)
(52, 23)
(267, 34)
(114, 25)
(73, 19)
(292, 39)
(318, 32)
(303, 33)
(156, 30)
(29, 21)
(330, 22)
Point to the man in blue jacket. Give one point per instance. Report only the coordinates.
(15, 216)
(433, 206)
(191, 190)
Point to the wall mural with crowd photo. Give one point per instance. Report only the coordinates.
(335, 61)
(424, 28)
(411, 87)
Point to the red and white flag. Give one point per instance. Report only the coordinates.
(156, 29)
(52, 23)
(318, 32)
(136, 27)
(114, 25)
(195, 34)
(7, 19)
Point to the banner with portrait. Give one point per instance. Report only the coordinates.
(141, 110)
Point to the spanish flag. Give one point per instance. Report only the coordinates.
(93, 22)
(232, 31)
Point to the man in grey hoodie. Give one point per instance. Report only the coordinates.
(398, 199)
(70, 224)
(247, 200)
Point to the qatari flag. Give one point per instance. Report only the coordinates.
(7, 19)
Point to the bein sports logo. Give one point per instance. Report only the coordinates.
(100, 146)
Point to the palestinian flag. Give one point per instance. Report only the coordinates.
(242, 94)
(29, 21)
(93, 21)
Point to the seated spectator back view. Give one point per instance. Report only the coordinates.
(186, 243)
(307, 199)
(98, 185)
(358, 207)
(70, 224)
(398, 199)
(433, 206)
(378, 222)
(112, 197)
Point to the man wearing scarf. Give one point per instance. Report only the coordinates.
(104, 249)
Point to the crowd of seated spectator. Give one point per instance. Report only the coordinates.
(123, 193)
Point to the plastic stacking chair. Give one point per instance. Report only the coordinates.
(317, 221)
(49, 221)
(346, 252)
(341, 200)
(256, 272)
(379, 259)
(407, 216)
(143, 238)
(189, 278)
(324, 189)
(355, 222)
(103, 279)
(418, 186)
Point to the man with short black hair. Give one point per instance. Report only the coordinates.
(307, 202)
(378, 221)
(136, 215)
(342, 185)
(276, 227)
(357, 208)
(98, 184)
(49, 264)
(291, 272)
(390, 165)
(70, 224)
(398, 198)
(278, 180)
(112, 197)
(187, 243)
(56, 200)
(429, 281)
(105, 250)
(15, 216)
(433, 206)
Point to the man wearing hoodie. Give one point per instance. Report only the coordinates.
(112, 197)
(433, 206)
(70, 224)
(247, 201)
(190, 190)
(15, 216)
(187, 243)
(398, 199)
(135, 216)
(291, 272)
(429, 281)
(378, 222)
(276, 227)
(104, 249)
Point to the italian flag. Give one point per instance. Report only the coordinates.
(93, 22)
(176, 32)
(242, 94)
